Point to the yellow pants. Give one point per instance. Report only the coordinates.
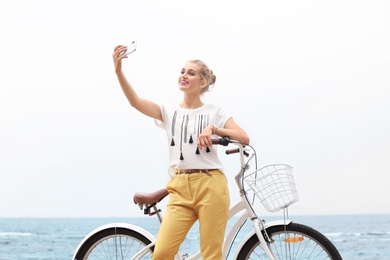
(203, 196)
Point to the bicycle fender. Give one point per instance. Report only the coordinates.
(250, 234)
(138, 229)
(277, 223)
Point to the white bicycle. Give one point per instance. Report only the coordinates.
(273, 185)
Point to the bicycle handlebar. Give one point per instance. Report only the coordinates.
(231, 151)
(225, 141)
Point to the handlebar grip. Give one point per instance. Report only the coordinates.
(231, 151)
(222, 141)
(237, 150)
(215, 141)
(225, 142)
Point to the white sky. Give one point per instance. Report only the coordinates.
(308, 80)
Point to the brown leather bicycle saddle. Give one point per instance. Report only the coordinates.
(150, 197)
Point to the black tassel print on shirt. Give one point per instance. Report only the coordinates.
(200, 123)
(173, 128)
(203, 122)
(207, 124)
(193, 130)
(186, 128)
(182, 132)
(189, 128)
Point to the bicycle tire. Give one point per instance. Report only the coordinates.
(294, 241)
(113, 243)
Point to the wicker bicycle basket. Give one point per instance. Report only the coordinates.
(274, 186)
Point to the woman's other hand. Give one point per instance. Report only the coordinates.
(204, 139)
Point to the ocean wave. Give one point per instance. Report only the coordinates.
(334, 234)
(358, 234)
(14, 234)
(374, 233)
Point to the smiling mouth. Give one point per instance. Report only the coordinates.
(183, 82)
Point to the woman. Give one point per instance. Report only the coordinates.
(198, 188)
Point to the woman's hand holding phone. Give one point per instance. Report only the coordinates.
(132, 47)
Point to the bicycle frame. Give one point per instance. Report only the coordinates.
(242, 206)
(283, 238)
(229, 239)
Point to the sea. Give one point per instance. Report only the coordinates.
(355, 236)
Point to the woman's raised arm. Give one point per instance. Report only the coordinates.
(143, 105)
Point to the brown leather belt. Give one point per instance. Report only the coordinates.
(190, 171)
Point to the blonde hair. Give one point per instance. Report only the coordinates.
(206, 74)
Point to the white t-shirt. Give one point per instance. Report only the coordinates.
(183, 127)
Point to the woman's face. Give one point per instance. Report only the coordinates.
(190, 80)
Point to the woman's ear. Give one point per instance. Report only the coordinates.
(203, 83)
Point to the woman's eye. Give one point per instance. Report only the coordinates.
(190, 72)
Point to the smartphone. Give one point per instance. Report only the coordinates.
(132, 47)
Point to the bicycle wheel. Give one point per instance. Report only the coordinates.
(114, 243)
(294, 241)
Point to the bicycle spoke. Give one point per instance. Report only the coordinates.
(292, 242)
(114, 244)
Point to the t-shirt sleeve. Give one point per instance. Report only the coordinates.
(160, 123)
(222, 117)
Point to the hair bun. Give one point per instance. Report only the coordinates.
(213, 78)
(206, 74)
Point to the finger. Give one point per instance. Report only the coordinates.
(207, 141)
(200, 143)
(204, 143)
(119, 46)
(119, 49)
